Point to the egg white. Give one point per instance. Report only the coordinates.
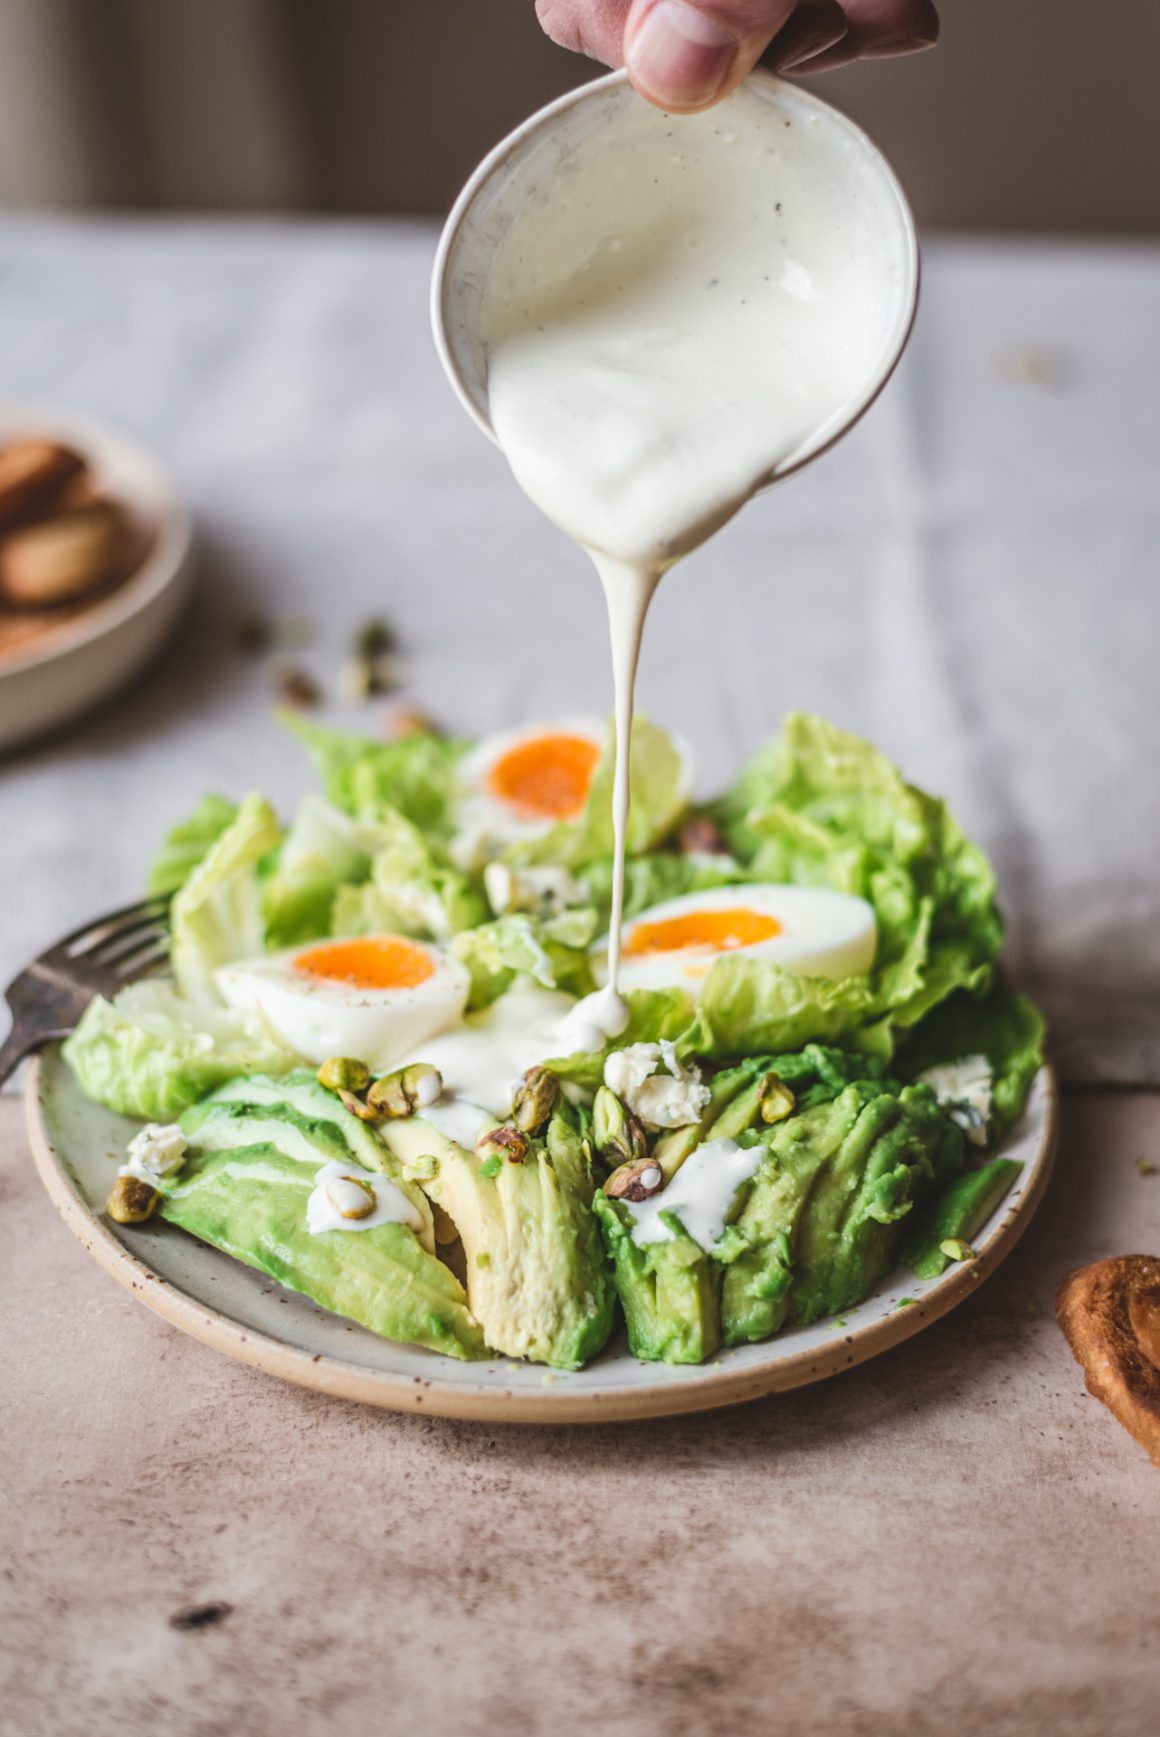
(484, 823)
(823, 934)
(317, 1017)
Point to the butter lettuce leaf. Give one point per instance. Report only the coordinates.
(217, 915)
(656, 877)
(345, 875)
(414, 775)
(151, 1053)
(819, 807)
(187, 843)
(1005, 1027)
(552, 952)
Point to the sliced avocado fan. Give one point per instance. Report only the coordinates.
(537, 1280)
(255, 1149)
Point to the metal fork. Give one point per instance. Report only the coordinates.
(49, 996)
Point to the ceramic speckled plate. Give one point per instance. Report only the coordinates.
(77, 1146)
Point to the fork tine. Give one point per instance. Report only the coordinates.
(140, 963)
(102, 928)
(124, 941)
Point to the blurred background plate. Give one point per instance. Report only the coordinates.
(77, 1146)
(73, 666)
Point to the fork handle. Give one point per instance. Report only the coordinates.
(19, 1043)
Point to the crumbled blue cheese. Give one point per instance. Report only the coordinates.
(669, 1099)
(543, 892)
(156, 1150)
(965, 1089)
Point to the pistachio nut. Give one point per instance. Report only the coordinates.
(635, 1181)
(700, 836)
(351, 1196)
(534, 1100)
(357, 1107)
(505, 1142)
(400, 1094)
(131, 1200)
(619, 1137)
(341, 1073)
(775, 1099)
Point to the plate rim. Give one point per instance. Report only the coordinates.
(707, 1388)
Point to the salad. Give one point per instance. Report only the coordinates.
(370, 1073)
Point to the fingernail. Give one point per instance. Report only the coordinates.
(897, 45)
(792, 54)
(679, 55)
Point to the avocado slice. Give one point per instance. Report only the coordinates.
(304, 1121)
(956, 1215)
(250, 1201)
(895, 1142)
(537, 1279)
(300, 1091)
(822, 1221)
(668, 1290)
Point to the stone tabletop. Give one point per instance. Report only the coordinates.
(951, 1536)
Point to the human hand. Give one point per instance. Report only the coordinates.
(686, 55)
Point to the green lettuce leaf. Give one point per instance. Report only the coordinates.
(414, 775)
(1003, 1026)
(822, 808)
(323, 851)
(552, 953)
(411, 890)
(152, 1054)
(656, 877)
(660, 795)
(217, 915)
(187, 842)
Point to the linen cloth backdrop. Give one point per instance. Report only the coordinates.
(1031, 115)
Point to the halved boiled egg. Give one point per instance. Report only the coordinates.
(807, 930)
(374, 997)
(519, 783)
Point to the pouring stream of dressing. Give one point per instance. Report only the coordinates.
(678, 308)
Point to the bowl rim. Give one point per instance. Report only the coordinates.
(546, 120)
(161, 567)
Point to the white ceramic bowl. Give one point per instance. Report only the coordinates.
(484, 211)
(81, 662)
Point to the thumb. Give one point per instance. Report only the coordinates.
(687, 54)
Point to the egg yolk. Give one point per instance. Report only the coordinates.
(715, 931)
(374, 962)
(547, 778)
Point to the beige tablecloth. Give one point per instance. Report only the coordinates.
(952, 1537)
(970, 578)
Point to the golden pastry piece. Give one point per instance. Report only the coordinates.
(33, 473)
(63, 558)
(1110, 1315)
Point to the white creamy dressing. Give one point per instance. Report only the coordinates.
(483, 1058)
(700, 1195)
(342, 1187)
(678, 307)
